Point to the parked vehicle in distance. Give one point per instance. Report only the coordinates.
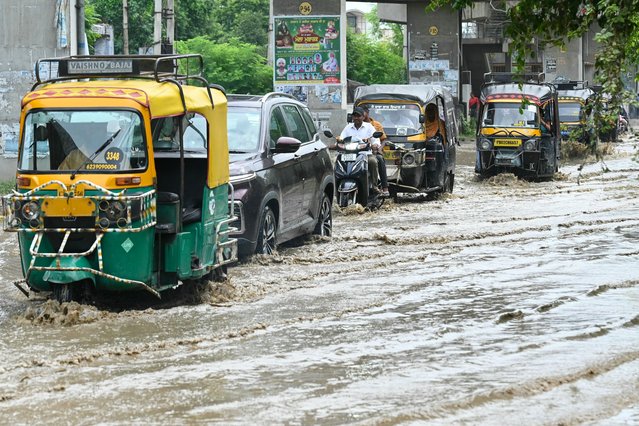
(575, 108)
(117, 190)
(518, 128)
(421, 129)
(281, 171)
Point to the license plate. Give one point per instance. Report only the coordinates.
(349, 157)
(508, 142)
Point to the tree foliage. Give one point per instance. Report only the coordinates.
(219, 20)
(237, 66)
(373, 62)
(397, 39)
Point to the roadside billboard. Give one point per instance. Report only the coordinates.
(307, 50)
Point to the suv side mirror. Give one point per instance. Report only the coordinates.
(287, 144)
(422, 118)
(328, 133)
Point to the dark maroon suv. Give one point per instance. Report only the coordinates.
(281, 172)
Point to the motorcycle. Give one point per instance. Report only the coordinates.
(351, 173)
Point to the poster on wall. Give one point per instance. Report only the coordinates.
(307, 50)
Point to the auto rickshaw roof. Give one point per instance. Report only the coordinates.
(163, 99)
(577, 94)
(422, 93)
(536, 93)
(155, 81)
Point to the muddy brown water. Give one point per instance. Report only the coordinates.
(505, 302)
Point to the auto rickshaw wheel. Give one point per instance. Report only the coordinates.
(68, 292)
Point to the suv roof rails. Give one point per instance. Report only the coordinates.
(262, 98)
(277, 94)
(510, 77)
(177, 68)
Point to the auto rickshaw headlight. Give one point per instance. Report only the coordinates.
(30, 210)
(485, 144)
(113, 210)
(103, 223)
(408, 159)
(530, 145)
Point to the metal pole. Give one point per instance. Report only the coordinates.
(170, 25)
(125, 27)
(157, 28)
(82, 46)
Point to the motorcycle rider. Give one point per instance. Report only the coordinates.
(377, 150)
(364, 131)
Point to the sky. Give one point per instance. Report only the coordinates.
(364, 7)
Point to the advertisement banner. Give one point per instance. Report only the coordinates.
(307, 50)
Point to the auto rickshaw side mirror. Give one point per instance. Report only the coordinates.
(287, 144)
(488, 121)
(328, 133)
(422, 118)
(349, 117)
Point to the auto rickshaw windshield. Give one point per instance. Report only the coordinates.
(508, 114)
(88, 140)
(397, 119)
(569, 112)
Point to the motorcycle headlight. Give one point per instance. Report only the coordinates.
(351, 146)
(530, 145)
(408, 159)
(485, 144)
(30, 210)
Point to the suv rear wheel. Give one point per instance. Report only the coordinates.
(267, 236)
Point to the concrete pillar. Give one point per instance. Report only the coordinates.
(434, 40)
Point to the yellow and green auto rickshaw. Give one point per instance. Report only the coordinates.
(122, 180)
(575, 107)
(518, 128)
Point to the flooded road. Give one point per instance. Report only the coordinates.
(505, 302)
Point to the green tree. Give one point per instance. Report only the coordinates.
(219, 20)
(373, 62)
(237, 66)
(397, 39)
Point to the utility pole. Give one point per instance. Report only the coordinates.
(157, 28)
(82, 45)
(125, 27)
(170, 27)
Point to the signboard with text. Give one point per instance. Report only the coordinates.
(307, 50)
